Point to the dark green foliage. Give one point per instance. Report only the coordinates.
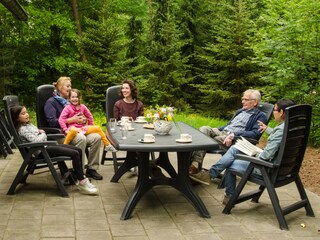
(196, 55)
(228, 69)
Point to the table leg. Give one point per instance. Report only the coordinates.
(144, 184)
(163, 161)
(130, 162)
(183, 184)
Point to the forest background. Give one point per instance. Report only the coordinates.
(196, 55)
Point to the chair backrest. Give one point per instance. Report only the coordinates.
(10, 101)
(267, 108)
(43, 93)
(294, 143)
(112, 95)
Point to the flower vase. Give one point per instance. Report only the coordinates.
(162, 127)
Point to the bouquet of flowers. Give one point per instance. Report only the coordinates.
(164, 113)
(159, 113)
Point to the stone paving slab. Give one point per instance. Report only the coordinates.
(38, 212)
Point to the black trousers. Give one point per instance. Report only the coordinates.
(71, 151)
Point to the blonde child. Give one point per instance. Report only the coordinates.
(72, 129)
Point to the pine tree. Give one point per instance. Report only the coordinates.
(228, 57)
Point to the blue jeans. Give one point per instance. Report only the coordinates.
(225, 162)
(228, 161)
(239, 166)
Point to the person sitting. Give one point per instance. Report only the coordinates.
(30, 133)
(229, 161)
(53, 108)
(72, 129)
(243, 123)
(129, 106)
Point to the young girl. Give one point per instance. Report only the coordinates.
(30, 133)
(72, 129)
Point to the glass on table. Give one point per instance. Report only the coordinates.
(124, 131)
(113, 124)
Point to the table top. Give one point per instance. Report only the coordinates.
(163, 143)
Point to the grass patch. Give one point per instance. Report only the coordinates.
(194, 120)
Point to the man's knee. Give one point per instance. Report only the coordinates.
(80, 141)
(206, 130)
(93, 138)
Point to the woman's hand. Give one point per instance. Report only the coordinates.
(262, 127)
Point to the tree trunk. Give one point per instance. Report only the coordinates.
(78, 25)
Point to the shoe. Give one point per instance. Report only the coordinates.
(110, 148)
(225, 200)
(86, 187)
(134, 170)
(91, 173)
(193, 169)
(202, 177)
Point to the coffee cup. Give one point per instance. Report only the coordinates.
(148, 137)
(141, 118)
(125, 119)
(185, 137)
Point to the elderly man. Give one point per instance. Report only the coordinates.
(243, 123)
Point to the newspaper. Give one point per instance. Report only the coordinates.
(247, 147)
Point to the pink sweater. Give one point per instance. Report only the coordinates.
(71, 110)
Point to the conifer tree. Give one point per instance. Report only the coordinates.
(229, 66)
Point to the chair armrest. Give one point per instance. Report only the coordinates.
(38, 144)
(55, 136)
(50, 130)
(255, 160)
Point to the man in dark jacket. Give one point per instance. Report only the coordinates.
(243, 123)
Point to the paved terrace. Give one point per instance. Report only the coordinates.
(38, 212)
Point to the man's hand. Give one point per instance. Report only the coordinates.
(41, 131)
(228, 140)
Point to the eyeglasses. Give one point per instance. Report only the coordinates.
(276, 110)
(247, 99)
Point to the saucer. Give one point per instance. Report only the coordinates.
(149, 126)
(142, 141)
(140, 121)
(183, 141)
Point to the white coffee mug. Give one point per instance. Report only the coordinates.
(124, 119)
(148, 137)
(141, 118)
(185, 137)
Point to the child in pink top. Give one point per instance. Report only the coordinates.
(72, 129)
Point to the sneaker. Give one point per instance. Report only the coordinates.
(110, 148)
(86, 187)
(202, 177)
(91, 173)
(134, 170)
(193, 169)
(225, 200)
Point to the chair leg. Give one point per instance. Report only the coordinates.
(304, 196)
(115, 161)
(232, 201)
(103, 156)
(55, 175)
(257, 197)
(274, 200)
(222, 183)
(20, 175)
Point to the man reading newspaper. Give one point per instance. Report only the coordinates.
(228, 160)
